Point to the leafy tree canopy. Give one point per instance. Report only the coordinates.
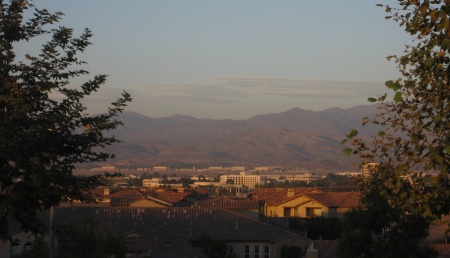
(44, 130)
(417, 122)
(90, 239)
(418, 119)
(214, 248)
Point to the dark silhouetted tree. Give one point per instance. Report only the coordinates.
(90, 239)
(214, 248)
(44, 130)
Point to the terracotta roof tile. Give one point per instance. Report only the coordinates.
(127, 193)
(171, 196)
(169, 222)
(273, 196)
(124, 201)
(230, 203)
(336, 199)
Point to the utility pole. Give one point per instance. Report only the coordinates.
(51, 235)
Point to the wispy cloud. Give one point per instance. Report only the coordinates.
(239, 97)
(298, 88)
(192, 92)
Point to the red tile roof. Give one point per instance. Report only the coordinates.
(231, 203)
(336, 199)
(171, 197)
(171, 222)
(273, 196)
(127, 193)
(124, 201)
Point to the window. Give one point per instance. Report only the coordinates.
(313, 212)
(27, 247)
(266, 251)
(287, 212)
(256, 251)
(15, 249)
(247, 251)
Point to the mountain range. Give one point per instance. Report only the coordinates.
(296, 138)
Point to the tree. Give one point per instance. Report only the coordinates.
(39, 248)
(90, 239)
(416, 138)
(317, 227)
(214, 248)
(379, 229)
(44, 130)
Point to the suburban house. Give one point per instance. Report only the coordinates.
(169, 231)
(305, 202)
(307, 205)
(156, 198)
(240, 205)
(268, 197)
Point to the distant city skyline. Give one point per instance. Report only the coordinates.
(233, 59)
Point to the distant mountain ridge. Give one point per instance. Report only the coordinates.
(295, 138)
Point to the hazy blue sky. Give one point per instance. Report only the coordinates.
(235, 58)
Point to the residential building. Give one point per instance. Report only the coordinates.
(168, 232)
(318, 204)
(271, 196)
(240, 205)
(304, 202)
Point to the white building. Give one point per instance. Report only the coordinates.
(152, 182)
(369, 168)
(249, 181)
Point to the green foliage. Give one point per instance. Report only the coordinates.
(89, 240)
(214, 248)
(417, 124)
(44, 130)
(291, 251)
(336, 183)
(39, 248)
(381, 229)
(317, 227)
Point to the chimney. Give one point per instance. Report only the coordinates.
(290, 192)
(311, 252)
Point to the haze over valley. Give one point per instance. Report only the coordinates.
(296, 138)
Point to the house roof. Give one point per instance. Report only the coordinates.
(124, 201)
(337, 199)
(166, 222)
(231, 203)
(273, 196)
(329, 199)
(98, 192)
(127, 193)
(171, 197)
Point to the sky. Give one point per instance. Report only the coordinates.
(233, 59)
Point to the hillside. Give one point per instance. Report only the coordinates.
(295, 138)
